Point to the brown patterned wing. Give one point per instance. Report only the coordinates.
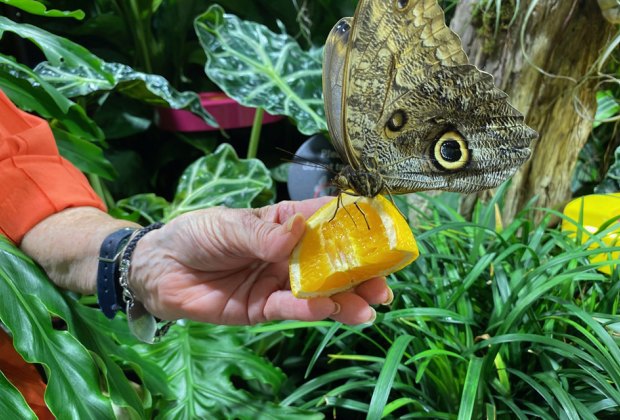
(418, 115)
(391, 38)
(334, 63)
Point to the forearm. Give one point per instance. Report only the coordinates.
(67, 244)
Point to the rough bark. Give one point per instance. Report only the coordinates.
(546, 77)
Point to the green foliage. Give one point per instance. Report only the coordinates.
(38, 8)
(597, 167)
(611, 182)
(508, 322)
(514, 321)
(259, 68)
(12, 402)
(202, 361)
(29, 301)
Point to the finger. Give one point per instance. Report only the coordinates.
(375, 291)
(284, 210)
(283, 305)
(353, 309)
(267, 241)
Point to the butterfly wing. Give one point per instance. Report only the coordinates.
(416, 112)
(334, 63)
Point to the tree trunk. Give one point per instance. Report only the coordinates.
(548, 75)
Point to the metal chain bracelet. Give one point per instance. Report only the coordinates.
(141, 323)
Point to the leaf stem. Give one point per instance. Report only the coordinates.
(101, 190)
(255, 134)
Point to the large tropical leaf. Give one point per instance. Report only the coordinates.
(149, 88)
(75, 71)
(222, 179)
(38, 8)
(32, 93)
(12, 403)
(28, 302)
(77, 136)
(214, 376)
(259, 68)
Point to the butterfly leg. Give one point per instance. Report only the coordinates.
(363, 214)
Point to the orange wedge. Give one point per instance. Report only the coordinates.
(359, 243)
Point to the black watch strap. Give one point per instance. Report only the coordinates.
(109, 292)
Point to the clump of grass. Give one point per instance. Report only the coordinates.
(491, 321)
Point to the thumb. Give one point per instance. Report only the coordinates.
(274, 242)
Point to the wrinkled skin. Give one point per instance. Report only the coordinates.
(230, 266)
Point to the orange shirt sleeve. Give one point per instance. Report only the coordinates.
(35, 181)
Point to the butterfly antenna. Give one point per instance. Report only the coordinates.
(300, 160)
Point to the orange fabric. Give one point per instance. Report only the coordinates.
(23, 376)
(35, 181)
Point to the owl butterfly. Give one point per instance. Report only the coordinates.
(407, 112)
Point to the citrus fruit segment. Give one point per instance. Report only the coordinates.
(365, 238)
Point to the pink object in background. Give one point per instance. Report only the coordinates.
(226, 111)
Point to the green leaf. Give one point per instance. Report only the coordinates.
(470, 388)
(149, 206)
(75, 71)
(28, 301)
(59, 51)
(214, 376)
(607, 107)
(262, 69)
(611, 182)
(12, 403)
(152, 89)
(86, 156)
(38, 8)
(222, 179)
(30, 92)
(386, 377)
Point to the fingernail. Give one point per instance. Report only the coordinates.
(291, 221)
(373, 316)
(390, 297)
(336, 308)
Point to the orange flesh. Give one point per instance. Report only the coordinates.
(344, 251)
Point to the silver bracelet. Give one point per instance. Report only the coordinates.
(141, 323)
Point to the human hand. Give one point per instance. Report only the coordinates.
(230, 266)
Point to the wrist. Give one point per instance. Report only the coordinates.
(146, 264)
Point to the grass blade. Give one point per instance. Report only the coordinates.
(386, 377)
(470, 390)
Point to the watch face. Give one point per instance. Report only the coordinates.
(310, 175)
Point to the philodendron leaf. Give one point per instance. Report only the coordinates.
(149, 207)
(222, 179)
(12, 403)
(262, 69)
(75, 71)
(77, 136)
(37, 8)
(30, 92)
(58, 50)
(205, 366)
(28, 301)
(149, 88)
